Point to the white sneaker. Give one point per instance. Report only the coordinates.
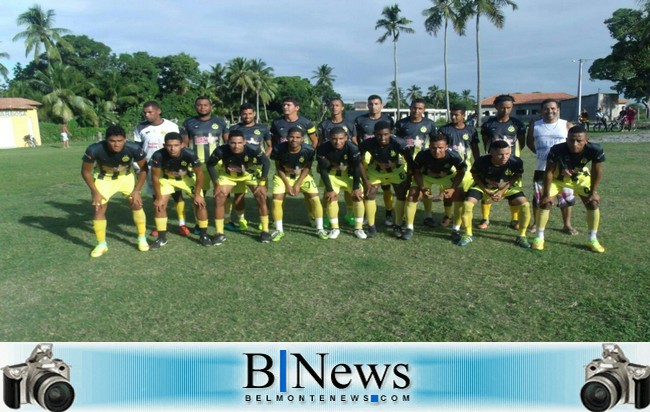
(360, 234)
(334, 233)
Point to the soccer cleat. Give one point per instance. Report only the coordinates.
(218, 240)
(522, 242)
(360, 234)
(514, 225)
(205, 240)
(99, 250)
(243, 224)
(408, 234)
(397, 231)
(389, 222)
(322, 234)
(465, 240)
(196, 231)
(265, 237)
(372, 231)
(334, 233)
(455, 236)
(349, 219)
(446, 221)
(483, 225)
(277, 236)
(183, 230)
(429, 222)
(143, 246)
(232, 227)
(158, 243)
(538, 244)
(595, 246)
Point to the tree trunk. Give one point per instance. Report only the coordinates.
(478, 73)
(257, 106)
(446, 78)
(397, 93)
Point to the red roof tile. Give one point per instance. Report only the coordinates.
(529, 98)
(17, 103)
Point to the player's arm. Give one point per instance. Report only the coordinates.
(87, 175)
(225, 135)
(596, 175)
(279, 170)
(211, 165)
(141, 178)
(359, 132)
(314, 138)
(480, 182)
(355, 167)
(199, 200)
(158, 202)
(461, 169)
(269, 147)
(323, 171)
(530, 137)
(548, 180)
(485, 137)
(521, 137)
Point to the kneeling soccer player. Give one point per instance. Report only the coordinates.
(497, 176)
(113, 159)
(339, 163)
(173, 168)
(245, 164)
(565, 168)
(293, 160)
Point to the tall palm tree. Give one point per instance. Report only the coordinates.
(262, 78)
(39, 32)
(239, 75)
(414, 92)
(491, 9)
(392, 97)
(442, 13)
(393, 23)
(435, 96)
(3, 70)
(62, 87)
(324, 86)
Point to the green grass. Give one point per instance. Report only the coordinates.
(306, 289)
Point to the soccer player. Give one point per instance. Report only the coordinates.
(542, 135)
(497, 176)
(290, 118)
(150, 134)
(437, 166)
(387, 157)
(113, 159)
(566, 167)
(463, 139)
(365, 126)
(512, 130)
(293, 160)
(173, 168)
(339, 163)
(416, 130)
(245, 165)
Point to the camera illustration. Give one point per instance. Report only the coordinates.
(613, 380)
(40, 379)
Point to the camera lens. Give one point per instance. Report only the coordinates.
(53, 392)
(601, 392)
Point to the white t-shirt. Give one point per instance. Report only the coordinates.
(153, 137)
(546, 136)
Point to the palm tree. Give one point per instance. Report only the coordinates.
(492, 10)
(62, 87)
(324, 86)
(39, 32)
(392, 97)
(262, 79)
(414, 92)
(239, 75)
(394, 24)
(435, 96)
(3, 70)
(443, 12)
(114, 95)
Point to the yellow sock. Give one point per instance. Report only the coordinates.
(277, 209)
(593, 219)
(358, 209)
(514, 213)
(411, 209)
(264, 220)
(388, 199)
(333, 214)
(161, 223)
(428, 206)
(180, 211)
(371, 211)
(468, 210)
(399, 211)
(316, 207)
(203, 224)
(227, 210)
(140, 220)
(99, 226)
(485, 210)
(524, 218)
(458, 209)
(218, 224)
(542, 218)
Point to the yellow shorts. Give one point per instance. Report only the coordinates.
(187, 185)
(308, 184)
(393, 177)
(581, 184)
(344, 182)
(108, 187)
(247, 179)
(446, 182)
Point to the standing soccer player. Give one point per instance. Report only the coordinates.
(113, 160)
(242, 164)
(512, 130)
(566, 167)
(173, 168)
(293, 160)
(497, 176)
(290, 118)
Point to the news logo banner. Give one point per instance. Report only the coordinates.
(330, 376)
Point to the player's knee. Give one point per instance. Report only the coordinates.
(592, 205)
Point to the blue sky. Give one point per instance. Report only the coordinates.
(534, 51)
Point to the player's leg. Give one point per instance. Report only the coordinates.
(99, 218)
(370, 204)
(160, 219)
(593, 222)
(388, 205)
(486, 208)
(180, 213)
(259, 192)
(543, 215)
(222, 192)
(471, 199)
(566, 200)
(518, 201)
(332, 206)
(411, 209)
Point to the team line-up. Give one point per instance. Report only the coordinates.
(407, 159)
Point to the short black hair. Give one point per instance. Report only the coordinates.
(547, 101)
(381, 125)
(499, 144)
(503, 98)
(151, 103)
(375, 97)
(337, 130)
(438, 137)
(291, 99)
(294, 129)
(246, 106)
(458, 106)
(577, 129)
(114, 130)
(173, 136)
(235, 133)
(203, 98)
(419, 100)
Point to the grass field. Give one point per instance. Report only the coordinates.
(306, 289)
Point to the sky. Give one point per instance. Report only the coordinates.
(536, 51)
